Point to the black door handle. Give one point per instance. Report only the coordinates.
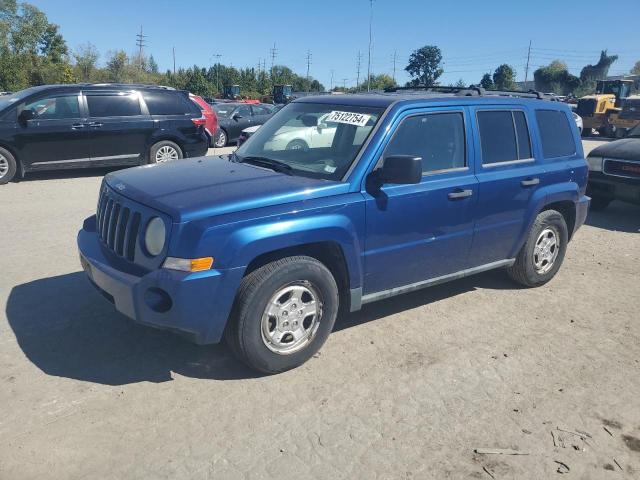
(78, 126)
(460, 194)
(530, 182)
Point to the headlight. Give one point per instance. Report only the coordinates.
(595, 163)
(154, 236)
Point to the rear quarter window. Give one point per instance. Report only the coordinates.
(555, 134)
(113, 105)
(169, 103)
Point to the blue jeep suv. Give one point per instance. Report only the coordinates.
(334, 203)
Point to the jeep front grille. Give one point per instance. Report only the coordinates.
(118, 225)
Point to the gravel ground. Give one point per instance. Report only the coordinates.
(406, 388)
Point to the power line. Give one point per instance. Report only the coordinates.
(274, 52)
(358, 69)
(217, 56)
(308, 66)
(331, 87)
(526, 71)
(395, 56)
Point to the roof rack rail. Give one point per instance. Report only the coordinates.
(473, 90)
(463, 91)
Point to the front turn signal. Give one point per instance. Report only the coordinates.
(188, 264)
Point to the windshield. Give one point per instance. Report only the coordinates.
(6, 100)
(312, 140)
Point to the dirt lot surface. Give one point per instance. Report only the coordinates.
(406, 388)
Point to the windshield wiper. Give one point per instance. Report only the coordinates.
(271, 163)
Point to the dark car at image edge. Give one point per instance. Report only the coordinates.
(96, 125)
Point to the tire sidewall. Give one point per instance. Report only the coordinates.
(156, 146)
(13, 166)
(547, 219)
(250, 334)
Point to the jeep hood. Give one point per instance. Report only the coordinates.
(209, 186)
(624, 149)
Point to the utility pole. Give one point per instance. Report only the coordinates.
(331, 88)
(358, 64)
(174, 60)
(140, 43)
(395, 57)
(274, 52)
(369, 62)
(526, 70)
(344, 83)
(217, 56)
(308, 65)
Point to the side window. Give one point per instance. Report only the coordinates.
(438, 138)
(168, 103)
(504, 136)
(113, 105)
(555, 134)
(260, 110)
(55, 108)
(244, 111)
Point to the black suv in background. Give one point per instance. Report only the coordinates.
(74, 126)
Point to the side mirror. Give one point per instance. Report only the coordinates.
(26, 115)
(401, 169)
(236, 116)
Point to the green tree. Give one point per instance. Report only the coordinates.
(86, 58)
(555, 77)
(460, 83)
(425, 66)
(504, 77)
(591, 73)
(487, 82)
(152, 65)
(636, 68)
(116, 66)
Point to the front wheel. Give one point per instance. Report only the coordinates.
(8, 166)
(164, 151)
(542, 254)
(283, 314)
(221, 139)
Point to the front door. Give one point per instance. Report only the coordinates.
(118, 129)
(240, 119)
(423, 231)
(56, 135)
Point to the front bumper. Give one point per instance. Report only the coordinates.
(613, 187)
(196, 304)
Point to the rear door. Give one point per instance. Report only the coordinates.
(260, 114)
(118, 127)
(57, 136)
(509, 175)
(423, 231)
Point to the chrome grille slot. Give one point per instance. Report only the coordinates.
(118, 224)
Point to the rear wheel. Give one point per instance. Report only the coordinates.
(8, 166)
(283, 314)
(542, 254)
(165, 151)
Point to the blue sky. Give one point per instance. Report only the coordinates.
(474, 37)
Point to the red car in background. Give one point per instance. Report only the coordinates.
(211, 124)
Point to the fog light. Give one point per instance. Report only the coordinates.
(158, 300)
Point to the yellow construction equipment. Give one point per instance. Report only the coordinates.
(596, 109)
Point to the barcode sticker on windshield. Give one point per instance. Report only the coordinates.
(350, 118)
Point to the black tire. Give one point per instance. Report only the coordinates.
(297, 144)
(8, 166)
(221, 139)
(599, 203)
(524, 270)
(244, 333)
(153, 151)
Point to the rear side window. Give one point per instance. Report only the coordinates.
(169, 103)
(555, 134)
(113, 105)
(438, 138)
(504, 136)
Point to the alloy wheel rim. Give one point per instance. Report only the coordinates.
(222, 140)
(166, 154)
(546, 250)
(291, 318)
(4, 166)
